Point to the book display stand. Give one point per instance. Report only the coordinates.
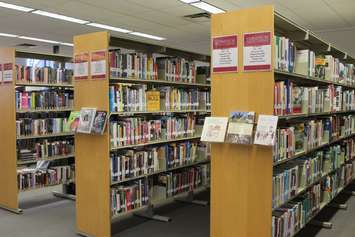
(242, 176)
(10, 111)
(93, 172)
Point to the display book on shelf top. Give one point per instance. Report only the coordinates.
(155, 103)
(36, 97)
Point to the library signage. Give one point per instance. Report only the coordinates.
(81, 66)
(7, 72)
(225, 54)
(257, 51)
(98, 65)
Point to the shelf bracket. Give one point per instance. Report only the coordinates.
(323, 224)
(329, 47)
(149, 214)
(190, 199)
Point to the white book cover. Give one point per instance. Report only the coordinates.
(214, 129)
(87, 116)
(266, 130)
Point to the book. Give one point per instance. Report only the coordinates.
(153, 100)
(87, 116)
(73, 121)
(45, 75)
(240, 128)
(99, 123)
(266, 130)
(214, 129)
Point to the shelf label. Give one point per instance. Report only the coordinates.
(81, 66)
(98, 65)
(225, 54)
(257, 51)
(7, 73)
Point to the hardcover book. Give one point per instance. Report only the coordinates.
(99, 123)
(240, 128)
(87, 116)
(265, 130)
(73, 121)
(214, 129)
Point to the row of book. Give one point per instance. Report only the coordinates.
(46, 148)
(134, 163)
(139, 193)
(292, 99)
(45, 75)
(35, 127)
(138, 130)
(44, 100)
(293, 216)
(302, 137)
(30, 178)
(304, 61)
(146, 67)
(137, 98)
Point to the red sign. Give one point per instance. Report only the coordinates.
(98, 65)
(257, 51)
(225, 54)
(81, 66)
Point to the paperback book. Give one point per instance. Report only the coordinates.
(240, 128)
(87, 116)
(265, 130)
(99, 123)
(214, 129)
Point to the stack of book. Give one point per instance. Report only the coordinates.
(176, 70)
(285, 53)
(45, 75)
(128, 197)
(29, 178)
(44, 99)
(34, 127)
(133, 65)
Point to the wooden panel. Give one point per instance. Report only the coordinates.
(241, 179)
(8, 163)
(92, 152)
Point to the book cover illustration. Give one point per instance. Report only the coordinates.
(214, 129)
(98, 126)
(266, 130)
(73, 121)
(86, 120)
(240, 128)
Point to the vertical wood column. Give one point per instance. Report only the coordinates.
(92, 151)
(241, 175)
(8, 156)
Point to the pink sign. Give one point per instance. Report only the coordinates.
(225, 54)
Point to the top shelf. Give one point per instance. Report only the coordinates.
(307, 39)
(43, 56)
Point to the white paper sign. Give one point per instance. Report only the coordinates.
(81, 66)
(98, 65)
(257, 51)
(266, 130)
(225, 54)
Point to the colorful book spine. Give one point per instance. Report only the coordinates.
(37, 127)
(45, 75)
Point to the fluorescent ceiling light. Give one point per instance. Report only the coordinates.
(15, 7)
(40, 40)
(67, 44)
(60, 17)
(107, 27)
(207, 7)
(8, 35)
(189, 1)
(147, 36)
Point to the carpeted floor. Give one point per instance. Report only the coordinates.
(56, 218)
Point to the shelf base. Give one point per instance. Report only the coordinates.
(64, 195)
(190, 200)
(149, 214)
(338, 206)
(83, 234)
(352, 193)
(16, 211)
(323, 224)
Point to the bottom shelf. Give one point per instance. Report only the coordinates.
(47, 186)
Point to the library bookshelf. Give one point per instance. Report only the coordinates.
(92, 152)
(9, 194)
(242, 176)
